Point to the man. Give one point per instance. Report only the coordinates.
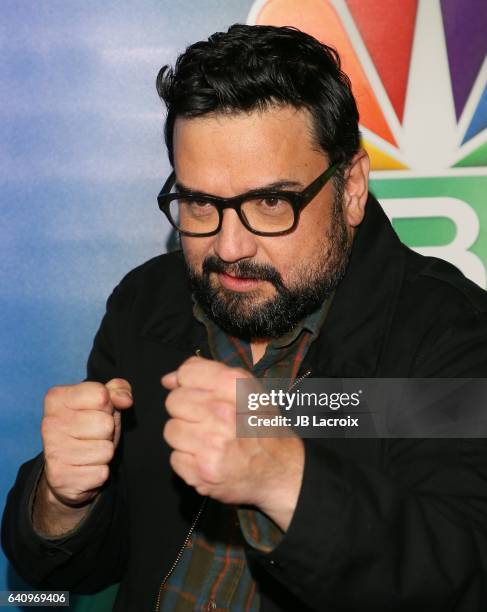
(288, 268)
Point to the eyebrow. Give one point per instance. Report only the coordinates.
(275, 186)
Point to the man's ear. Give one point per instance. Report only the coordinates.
(356, 188)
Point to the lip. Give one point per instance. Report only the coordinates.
(234, 283)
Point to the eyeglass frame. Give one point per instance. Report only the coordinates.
(297, 199)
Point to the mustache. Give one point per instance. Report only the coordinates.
(244, 269)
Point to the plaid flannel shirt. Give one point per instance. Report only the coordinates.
(212, 573)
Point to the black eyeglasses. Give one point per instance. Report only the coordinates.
(263, 212)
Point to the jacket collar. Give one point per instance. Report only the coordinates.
(360, 316)
(170, 320)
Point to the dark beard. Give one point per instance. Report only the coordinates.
(241, 314)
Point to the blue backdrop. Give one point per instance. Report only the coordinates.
(82, 160)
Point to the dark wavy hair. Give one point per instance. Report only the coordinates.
(255, 67)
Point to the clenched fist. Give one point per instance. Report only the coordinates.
(265, 472)
(80, 432)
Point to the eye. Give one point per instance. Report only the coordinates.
(199, 207)
(272, 205)
(271, 202)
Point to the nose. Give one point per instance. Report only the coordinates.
(234, 241)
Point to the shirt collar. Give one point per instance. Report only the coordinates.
(312, 323)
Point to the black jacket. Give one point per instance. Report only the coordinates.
(380, 525)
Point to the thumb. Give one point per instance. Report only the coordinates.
(120, 393)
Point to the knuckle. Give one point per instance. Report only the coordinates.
(100, 396)
(105, 425)
(210, 468)
(175, 399)
(53, 455)
(182, 371)
(49, 424)
(188, 365)
(171, 400)
(119, 382)
(102, 474)
(165, 430)
(173, 461)
(57, 477)
(203, 490)
(105, 451)
(168, 430)
(54, 394)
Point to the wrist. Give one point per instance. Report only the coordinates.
(51, 517)
(60, 504)
(281, 471)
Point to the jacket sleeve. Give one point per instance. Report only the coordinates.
(407, 532)
(92, 556)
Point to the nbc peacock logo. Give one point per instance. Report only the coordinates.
(419, 74)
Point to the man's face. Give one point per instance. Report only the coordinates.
(260, 286)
